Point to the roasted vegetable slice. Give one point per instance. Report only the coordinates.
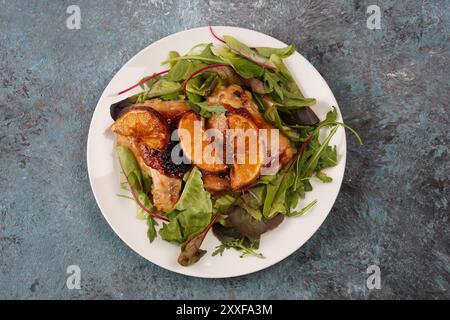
(191, 133)
(146, 125)
(215, 182)
(248, 150)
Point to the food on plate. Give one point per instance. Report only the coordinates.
(195, 145)
(145, 125)
(222, 140)
(246, 144)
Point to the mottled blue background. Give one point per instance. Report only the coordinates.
(392, 85)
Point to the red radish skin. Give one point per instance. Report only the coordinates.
(153, 214)
(200, 71)
(144, 81)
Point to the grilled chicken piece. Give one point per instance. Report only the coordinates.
(236, 97)
(169, 109)
(165, 190)
(229, 96)
(130, 143)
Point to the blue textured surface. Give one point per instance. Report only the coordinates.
(392, 85)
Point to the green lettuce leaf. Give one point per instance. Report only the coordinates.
(223, 203)
(140, 183)
(163, 87)
(245, 68)
(207, 111)
(281, 52)
(244, 51)
(191, 214)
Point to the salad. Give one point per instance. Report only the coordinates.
(223, 140)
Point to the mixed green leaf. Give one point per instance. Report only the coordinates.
(192, 212)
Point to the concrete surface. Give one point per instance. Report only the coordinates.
(392, 85)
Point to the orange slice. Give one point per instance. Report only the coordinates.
(197, 147)
(146, 125)
(248, 158)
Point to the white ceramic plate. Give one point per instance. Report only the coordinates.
(120, 213)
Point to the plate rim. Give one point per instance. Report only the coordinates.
(338, 179)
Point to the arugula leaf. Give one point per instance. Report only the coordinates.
(240, 245)
(271, 81)
(280, 52)
(201, 83)
(303, 210)
(206, 111)
(201, 53)
(191, 213)
(284, 71)
(301, 187)
(275, 200)
(172, 55)
(313, 161)
(323, 177)
(330, 120)
(327, 159)
(271, 114)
